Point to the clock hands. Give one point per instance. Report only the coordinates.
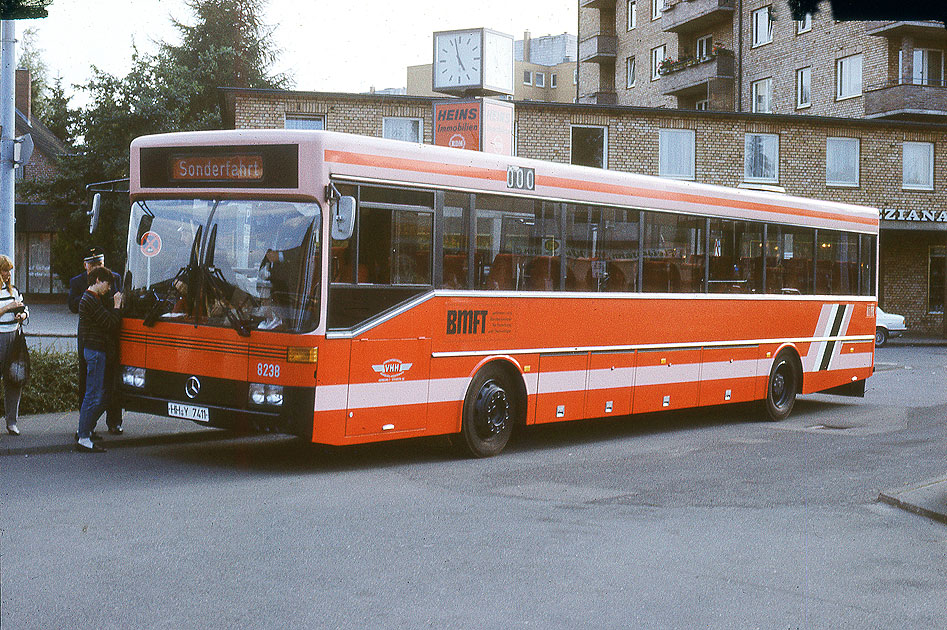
(457, 54)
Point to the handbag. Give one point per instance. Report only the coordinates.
(16, 367)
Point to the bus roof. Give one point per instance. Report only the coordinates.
(323, 155)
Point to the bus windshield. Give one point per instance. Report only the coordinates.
(245, 264)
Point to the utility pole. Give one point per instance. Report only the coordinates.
(7, 136)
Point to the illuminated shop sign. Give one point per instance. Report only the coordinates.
(249, 166)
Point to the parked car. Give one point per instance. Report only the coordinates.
(887, 325)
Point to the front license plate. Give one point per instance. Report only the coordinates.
(188, 412)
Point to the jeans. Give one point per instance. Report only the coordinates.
(94, 402)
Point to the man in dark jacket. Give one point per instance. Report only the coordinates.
(94, 258)
(99, 322)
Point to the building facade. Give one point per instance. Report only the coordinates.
(751, 56)
(896, 166)
(544, 69)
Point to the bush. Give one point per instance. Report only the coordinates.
(54, 381)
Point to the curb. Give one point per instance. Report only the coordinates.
(927, 499)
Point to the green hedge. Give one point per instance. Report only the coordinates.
(54, 381)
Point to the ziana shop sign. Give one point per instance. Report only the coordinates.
(915, 216)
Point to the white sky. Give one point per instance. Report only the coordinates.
(335, 46)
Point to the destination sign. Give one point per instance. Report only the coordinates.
(232, 166)
(217, 168)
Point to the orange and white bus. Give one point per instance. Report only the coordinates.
(349, 289)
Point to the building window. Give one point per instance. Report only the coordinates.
(589, 146)
(407, 129)
(553, 80)
(918, 166)
(527, 77)
(928, 67)
(937, 267)
(761, 158)
(657, 56)
(632, 14)
(804, 25)
(803, 88)
(656, 7)
(848, 72)
(575, 76)
(704, 47)
(630, 72)
(676, 153)
(841, 161)
(762, 96)
(539, 79)
(304, 122)
(762, 27)
(703, 105)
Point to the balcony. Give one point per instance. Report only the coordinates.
(597, 4)
(696, 15)
(917, 30)
(907, 101)
(599, 98)
(599, 48)
(689, 76)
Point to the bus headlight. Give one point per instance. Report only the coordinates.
(133, 376)
(261, 394)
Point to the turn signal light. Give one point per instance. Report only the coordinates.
(302, 355)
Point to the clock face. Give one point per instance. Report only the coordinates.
(458, 59)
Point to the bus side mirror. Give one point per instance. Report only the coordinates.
(144, 226)
(343, 218)
(94, 213)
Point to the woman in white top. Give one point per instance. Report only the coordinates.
(12, 312)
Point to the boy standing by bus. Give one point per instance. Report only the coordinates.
(98, 326)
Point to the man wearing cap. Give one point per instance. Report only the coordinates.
(95, 257)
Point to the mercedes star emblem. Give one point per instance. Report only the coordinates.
(192, 387)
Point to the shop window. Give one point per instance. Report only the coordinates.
(676, 152)
(589, 146)
(935, 287)
(673, 253)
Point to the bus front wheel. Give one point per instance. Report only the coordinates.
(490, 410)
(782, 387)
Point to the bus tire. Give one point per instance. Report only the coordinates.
(782, 386)
(490, 410)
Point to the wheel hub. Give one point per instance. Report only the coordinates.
(491, 410)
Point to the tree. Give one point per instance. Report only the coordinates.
(174, 89)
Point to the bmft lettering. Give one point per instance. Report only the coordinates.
(466, 322)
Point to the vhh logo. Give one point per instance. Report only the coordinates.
(392, 370)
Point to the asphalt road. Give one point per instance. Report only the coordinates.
(707, 519)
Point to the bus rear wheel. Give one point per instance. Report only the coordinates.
(490, 410)
(782, 387)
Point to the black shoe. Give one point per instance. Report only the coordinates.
(116, 430)
(94, 436)
(96, 448)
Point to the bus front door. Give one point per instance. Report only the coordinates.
(388, 386)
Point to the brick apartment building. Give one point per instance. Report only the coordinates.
(894, 165)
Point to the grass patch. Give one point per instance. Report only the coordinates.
(54, 381)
